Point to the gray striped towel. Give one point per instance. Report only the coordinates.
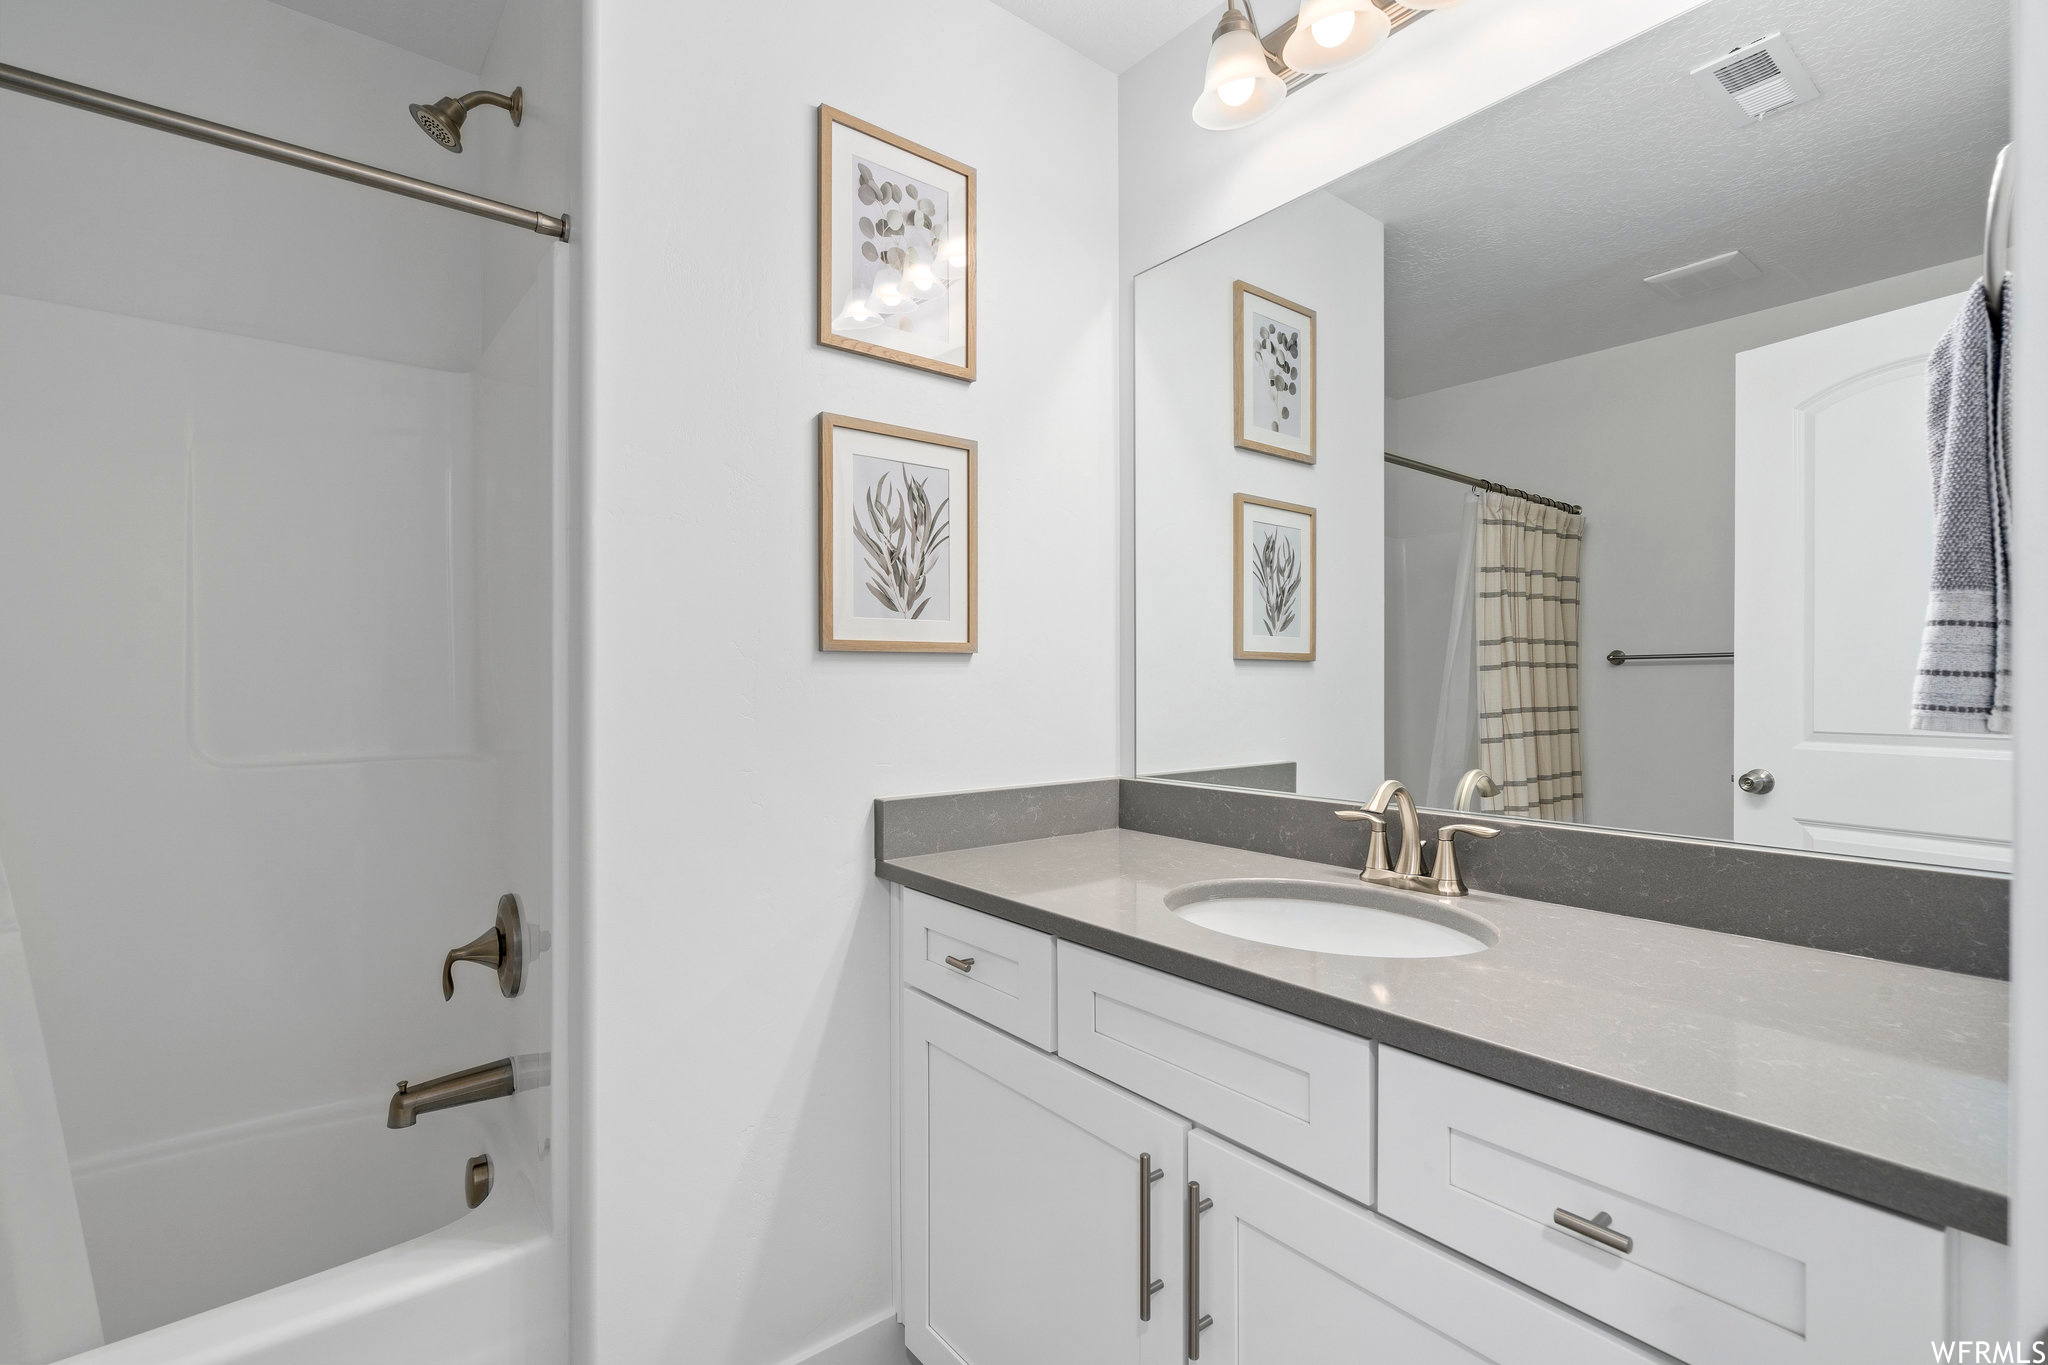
(1965, 677)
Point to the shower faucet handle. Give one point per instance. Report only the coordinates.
(502, 947)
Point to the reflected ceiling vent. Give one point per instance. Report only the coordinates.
(1704, 277)
(1757, 79)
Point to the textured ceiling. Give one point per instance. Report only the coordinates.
(457, 32)
(1118, 33)
(1523, 234)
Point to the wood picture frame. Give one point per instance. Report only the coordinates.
(882, 586)
(896, 248)
(1277, 351)
(1283, 548)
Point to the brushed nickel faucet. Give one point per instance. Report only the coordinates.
(491, 1081)
(1473, 785)
(1443, 878)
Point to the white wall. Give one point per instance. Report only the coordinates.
(1643, 436)
(1198, 707)
(737, 1200)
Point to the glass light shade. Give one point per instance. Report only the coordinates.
(1240, 86)
(1320, 41)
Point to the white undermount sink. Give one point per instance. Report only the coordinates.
(1332, 917)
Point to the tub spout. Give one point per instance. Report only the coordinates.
(487, 1082)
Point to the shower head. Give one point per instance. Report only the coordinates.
(442, 120)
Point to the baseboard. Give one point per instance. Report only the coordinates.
(878, 1341)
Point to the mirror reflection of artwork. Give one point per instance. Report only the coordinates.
(1274, 344)
(896, 264)
(896, 539)
(1276, 579)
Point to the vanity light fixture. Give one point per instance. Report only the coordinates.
(1249, 75)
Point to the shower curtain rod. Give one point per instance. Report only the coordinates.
(255, 144)
(1489, 485)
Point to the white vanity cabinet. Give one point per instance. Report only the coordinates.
(1029, 1234)
(1021, 1208)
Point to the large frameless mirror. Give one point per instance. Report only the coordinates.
(1574, 462)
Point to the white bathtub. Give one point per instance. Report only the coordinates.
(238, 1218)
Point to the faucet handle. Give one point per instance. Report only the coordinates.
(1376, 847)
(500, 947)
(1444, 877)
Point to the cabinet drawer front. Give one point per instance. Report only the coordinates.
(1295, 1091)
(1292, 1274)
(1009, 983)
(1723, 1262)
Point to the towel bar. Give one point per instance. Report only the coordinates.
(1619, 657)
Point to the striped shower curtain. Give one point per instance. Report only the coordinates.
(1526, 591)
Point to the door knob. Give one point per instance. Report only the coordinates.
(1757, 781)
(502, 947)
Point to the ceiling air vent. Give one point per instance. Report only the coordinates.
(1757, 79)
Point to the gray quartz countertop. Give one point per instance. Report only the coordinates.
(1880, 1081)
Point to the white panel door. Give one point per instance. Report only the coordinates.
(1290, 1274)
(1022, 1205)
(1833, 537)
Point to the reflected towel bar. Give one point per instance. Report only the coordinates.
(1619, 657)
(255, 144)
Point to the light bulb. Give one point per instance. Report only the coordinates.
(887, 295)
(1329, 34)
(1235, 93)
(1332, 31)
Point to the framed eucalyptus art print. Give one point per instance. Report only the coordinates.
(897, 541)
(1275, 597)
(1274, 345)
(895, 248)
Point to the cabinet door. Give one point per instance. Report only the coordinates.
(1290, 1274)
(1022, 1205)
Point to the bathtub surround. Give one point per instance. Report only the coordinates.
(339, 438)
(1753, 1049)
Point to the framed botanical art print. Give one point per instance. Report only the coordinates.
(896, 538)
(1275, 599)
(895, 248)
(1274, 343)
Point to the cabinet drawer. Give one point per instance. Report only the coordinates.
(1293, 1091)
(1009, 979)
(1725, 1264)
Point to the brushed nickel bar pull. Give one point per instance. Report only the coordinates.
(1198, 1321)
(1598, 1227)
(270, 149)
(960, 964)
(1148, 1176)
